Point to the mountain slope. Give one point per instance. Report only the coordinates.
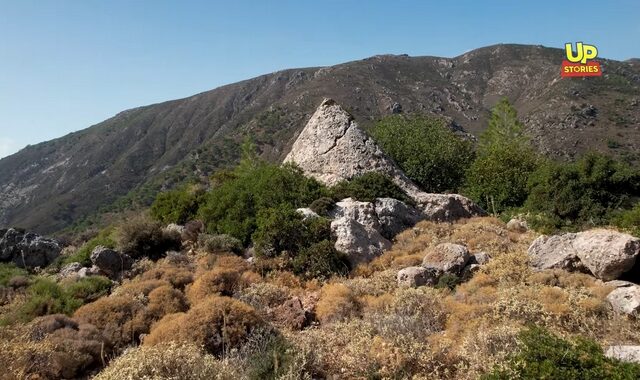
(48, 186)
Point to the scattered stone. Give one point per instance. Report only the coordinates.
(412, 277)
(70, 270)
(361, 244)
(479, 258)
(624, 353)
(110, 262)
(517, 225)
(291, 314)
(307, 213)
(447, 258)
(86, 272)
(625, 300)
(607, 253)
(554, 252)
(26, 249)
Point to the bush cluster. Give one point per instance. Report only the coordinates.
(367, 187)
(141, 237)
(178, 205)
(426, 150)
(545, 356)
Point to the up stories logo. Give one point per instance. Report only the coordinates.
(579, 63)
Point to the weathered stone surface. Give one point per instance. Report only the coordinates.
(447, 258)
(554, 252)
(625, 299)
(332, 148)
(624, 353)
(362, 212)
(607, 253)
(446, 207)
(479, 258)
(110, 262)
(395, 216)
(361, 244)
(413, 277)
(291, 314)
(70, 270)
(307, 213)
(517, 225)
(27, 250)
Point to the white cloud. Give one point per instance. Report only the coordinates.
(7, 146)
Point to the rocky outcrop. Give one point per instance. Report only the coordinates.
(413, 277)
(26, 249)
(395, 216)
(110, 262)
(606, 254)
(332, 148)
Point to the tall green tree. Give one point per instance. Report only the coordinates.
(498, 177)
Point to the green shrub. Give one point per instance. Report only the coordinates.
(498, 177)
(545, 356)
(83, 254)
(177, 206)
(586, 192)
(268, 356)
(426, 150)
(368, 187)
(448, 281)
(322, 205)
(233, 205)
(9, 271)
(280, 229)
(45, 297)
(219, 243)
(320, 260)
(88, 289)
(142, 237)
(629, 220)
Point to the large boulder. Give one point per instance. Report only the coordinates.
(624, 353)
(110, 262)
(554, 252)
(607, 254)
(332, 148)
(361, 244)
(625, 299)
(447, 258)
(395, 216)
(27, 250)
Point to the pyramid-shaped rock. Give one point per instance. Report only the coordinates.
(332, 148)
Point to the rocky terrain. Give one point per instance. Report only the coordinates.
(124, 161)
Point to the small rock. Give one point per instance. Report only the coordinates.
(110, 262)
(291, 314)
(624, 353)
(412, 277)
(479, 258)
(447, 258)
(625, 300)
(396, 108)
(469, 271)
(517, 225)
(70, 270)
(86, 272)
(307, 213)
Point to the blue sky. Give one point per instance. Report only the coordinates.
(65, 65)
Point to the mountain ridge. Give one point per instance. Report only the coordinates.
(47, 186)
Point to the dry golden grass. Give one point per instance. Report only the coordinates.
(217, 323)
(337, 302)
(218, 281)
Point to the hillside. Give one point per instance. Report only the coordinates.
(48, 186)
